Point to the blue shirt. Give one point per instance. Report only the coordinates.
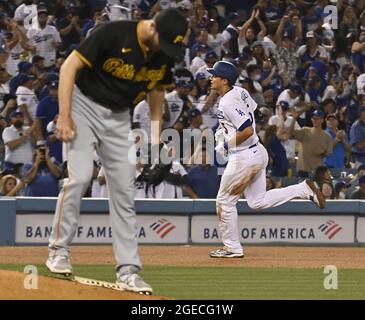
(337, 158)
(43, 185)
(47, 109)
(204, 181)
(357, 134)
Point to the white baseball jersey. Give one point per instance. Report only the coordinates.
(43, 39)
(11, 64)
(28, 97)
(209, 117)
(141, 114)
(235, 113)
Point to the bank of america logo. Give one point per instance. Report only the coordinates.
(330, 228)
(162, 227)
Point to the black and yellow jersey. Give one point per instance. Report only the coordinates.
(119, 71)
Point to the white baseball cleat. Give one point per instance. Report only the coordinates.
(225, 253)
(59, 264)
(317, 197)
(132, 281)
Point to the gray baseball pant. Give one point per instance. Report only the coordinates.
(98, 127)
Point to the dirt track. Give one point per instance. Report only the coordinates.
(291, 257)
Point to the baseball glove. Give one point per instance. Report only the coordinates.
(155, 171)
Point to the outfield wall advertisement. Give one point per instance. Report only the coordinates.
(95, 229)
(279, 228)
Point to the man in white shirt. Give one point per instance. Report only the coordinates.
(17, 140)
(198, 61)
(26, 98)
(44, 39)
(288, 144)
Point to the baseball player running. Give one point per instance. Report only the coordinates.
(110, 72)
(247, 160)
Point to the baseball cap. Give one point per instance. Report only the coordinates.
(340, 185)
(42, 8)
(51, 76)
(210, 54)
(233, 16)
(24, 67)
(172, 27)
(23, 78)
(318, 114)
(193, 113)
(225, 70)
(53, 85)
(15, 113)
(201, 47)
(284, 105)
(200, 76)
(296, 88)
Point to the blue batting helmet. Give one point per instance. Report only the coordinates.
(225, 70)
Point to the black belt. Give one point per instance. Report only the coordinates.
(254, 145)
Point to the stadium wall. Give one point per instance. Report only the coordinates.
(27, 221)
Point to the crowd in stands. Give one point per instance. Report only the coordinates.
(303, 64)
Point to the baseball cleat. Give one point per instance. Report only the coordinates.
(317, 197)
(59, 264)
(225, 253)
(133, 282)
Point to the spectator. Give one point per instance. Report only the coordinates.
(215, 38)
(178, 102)
(349, 22)
(208, 106)
(23, 14)
(315, 143)
(270, 78)
(277, 154)
(44, 39)
(198, 60)
(69, 28)
(357, 138)
(283, 121)
(360, 194)
(7, 184)
(254, 73)
(310, 51)
(210, 59)
(230, 34)
(46, 111)
(258, 52)
(17, 140)
(47, 172)
(247, 35)
(202, 83)
(26, 98)
(340, 144)
(203, 179)
(15, 42)
(201, 40)
(323, 178)
(341, 190)
(38, 63)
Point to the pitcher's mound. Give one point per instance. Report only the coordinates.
(12, 288)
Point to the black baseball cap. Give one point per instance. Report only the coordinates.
(172, 27)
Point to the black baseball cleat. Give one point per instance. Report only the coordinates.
(317, 197)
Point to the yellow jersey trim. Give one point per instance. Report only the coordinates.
(84, 60)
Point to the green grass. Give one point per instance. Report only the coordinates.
(220, 283)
